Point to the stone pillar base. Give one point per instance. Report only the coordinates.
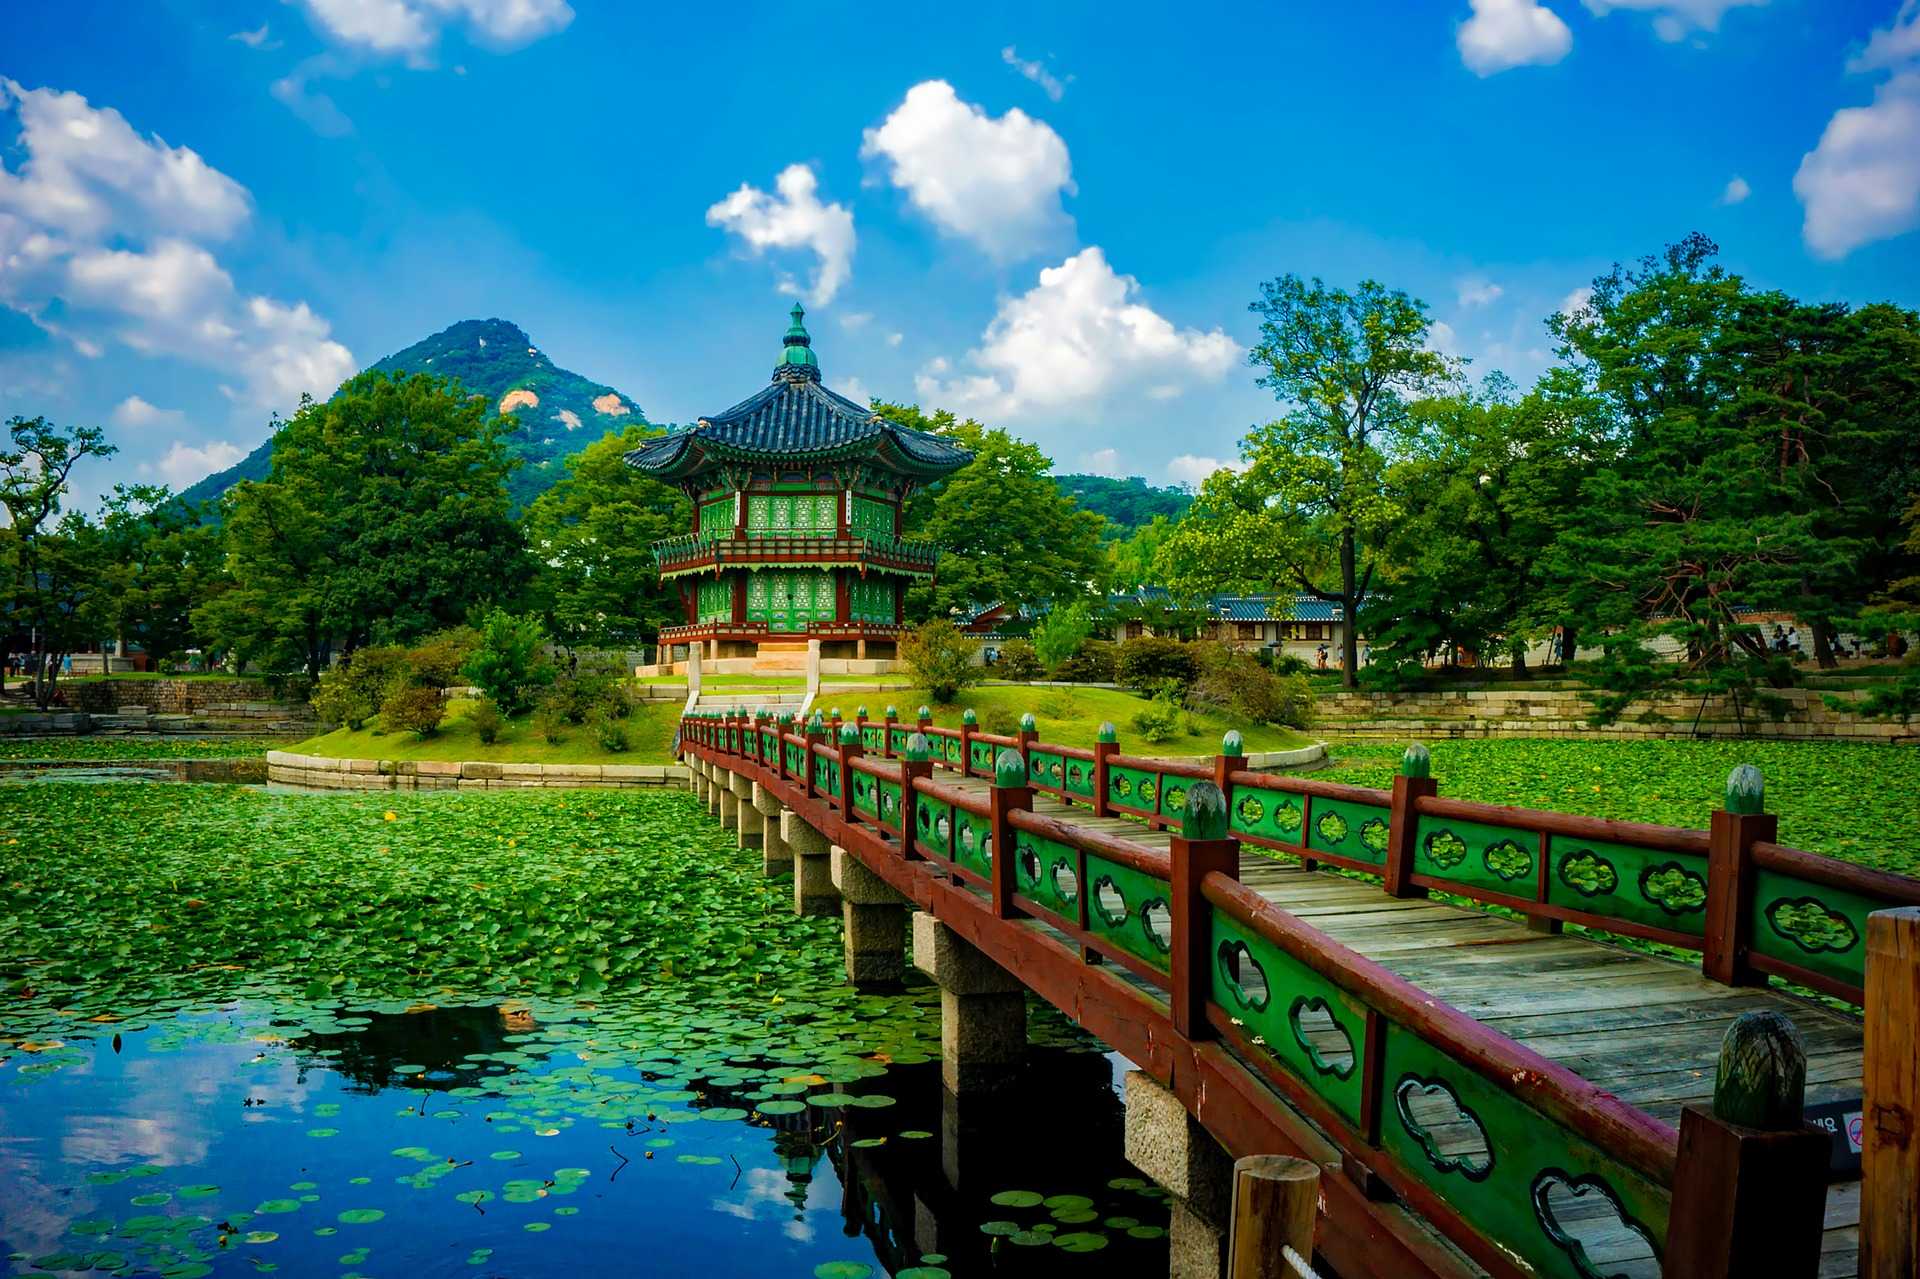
(729, 810)
(873, 917)
(813, 890)
(776, 857)
(983, 1010)
(752, 828)
(1168, 1144)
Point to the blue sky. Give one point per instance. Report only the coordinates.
(1050, 216)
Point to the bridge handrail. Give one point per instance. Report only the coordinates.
(951, 796)
(1244, 780)
(1118, 848)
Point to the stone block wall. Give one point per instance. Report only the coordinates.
(1532, 712)
(227, 699)
(320, 772)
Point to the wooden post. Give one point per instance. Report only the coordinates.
(969, 725)
(1890, 1147)
(1731, 835)
(1201, 847)
(1276, 1200)
(860, 722)
(1010, 792)
(1104, 749)
(886, 735)
(816, 732)
(1232, 756)
(781, 726)
(1750, 1185)
(1029, 730)
(1411, 784)
(849, 749)
(913, 764)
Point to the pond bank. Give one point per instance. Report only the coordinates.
(320, 772)
(245, 770)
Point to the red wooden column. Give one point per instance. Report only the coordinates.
(842, 594)
(850, 749)
(860, 722)
(1233, 754)
(1750, 1184)
(914, 764)
(969, 725)
(816, 733)
(1010, 792)
(1411, 784)
(782, 725)
(1890, 1157)
(1029, 730)
(891, 722)
(1104, 749)
(1201, 847)
(1731, 835)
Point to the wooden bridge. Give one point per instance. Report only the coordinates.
(1489, 1093)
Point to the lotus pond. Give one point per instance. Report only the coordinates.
(494, 1034)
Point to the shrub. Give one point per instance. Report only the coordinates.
(1237, 685)
(1018, 661)
(999, 721)
(609, 731)
(437, 659)
(338, 701)
(1061, 632)
(1160, 720)
(599, 683)
(548, 722)
(1147, 660)
(940, 659)
(487, 720)
(377, 671)
(414, 708)
(1289, 664)
(1091, 664)
(508, 665)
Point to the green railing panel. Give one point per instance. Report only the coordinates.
(1044, 871)
(898, 737)
(1047, 770)
(1501, 858)
(866, 799)
(1538, 1189)
(1173, 798)
(1352, 830)
(1618, 881)
(873, 738)
(1316, 1029)
(933, 824)
(973, 843)
(890, 809)
(769, 745)
(1080, 778)
(1267, 814)
(947, 748)
(1131, 910)
(826, 775)
(1816, 927)
(796, 759)
(980, 756)
(1134, 788)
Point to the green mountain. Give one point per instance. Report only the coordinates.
(556, 412)
(1127, 503)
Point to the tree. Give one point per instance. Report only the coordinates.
(509, 666)
(1059, 635)
(940, 659)
(1312, 509)
(1006, 532)
(592, 538)
(164, 560)
(384, 516)
(51, 567)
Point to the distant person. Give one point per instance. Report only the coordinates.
(1793, 640)
(1323, 657)
(1366, 655)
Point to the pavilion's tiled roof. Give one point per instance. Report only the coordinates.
(797, 419)
(1275, 608)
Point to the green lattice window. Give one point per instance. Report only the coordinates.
(716, 518)
(872, 519)
(787, 601)
(870, 599)
(716, 600)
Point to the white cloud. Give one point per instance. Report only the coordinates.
(1050, 84)
(1674, 20)
(135, 413)
(1503, 34)
(1101, 462)
(793, 219)
(994, 182)
(1861, 183)
(315, 109)
(255, 39)
(412, 28)
(1442, 338)
(1190, 469)
(1576, 302)
(853, 321)
(856, 390)
(1474, 291)
(1893, 45)
(1737, 190)
(895, 339)
(103, 238)
(185, 463)
(1075, 338)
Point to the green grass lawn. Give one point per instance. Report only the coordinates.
(649, 729)
(1850, 800)
(115, 747)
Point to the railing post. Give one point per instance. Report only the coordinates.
(816, 733)
(860, 722)
(1750, 1184)
(850, 749)
(1200, 847)
(1411, 784)
(924, 720)
(1104, 749)
(1029, 730)
(782, 724)
(1010, 792)
(833, 724)
(886, 732)
(1890, 1146)
(969, 725)
(1232, 756)
(913, 764)
(1276, 1201)
(1731, 835)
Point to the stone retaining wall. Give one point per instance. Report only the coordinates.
(1562, 713)
(320, 772)
(227, 699)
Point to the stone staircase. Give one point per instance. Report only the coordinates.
(781, 658)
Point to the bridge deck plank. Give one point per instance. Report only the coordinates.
(1644, 1027)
